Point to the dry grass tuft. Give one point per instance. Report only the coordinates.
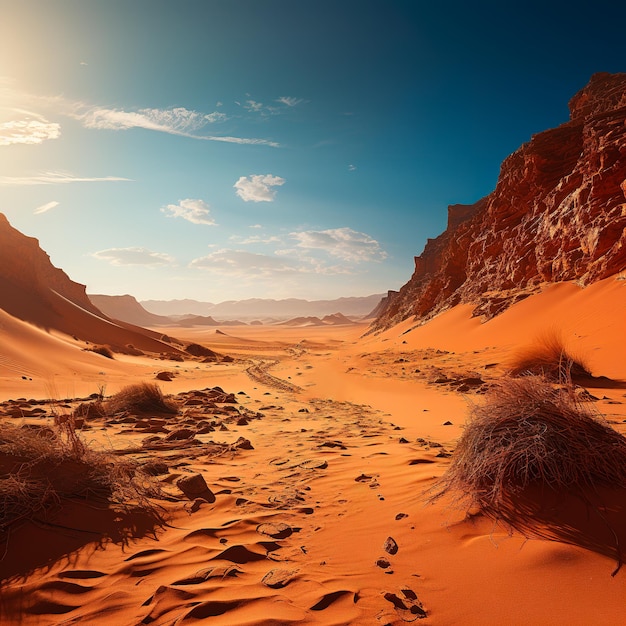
(140, 398)
(40, 467)
(529, 433)
(548, 357)
(102, 350)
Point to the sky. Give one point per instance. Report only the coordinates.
(229, 149)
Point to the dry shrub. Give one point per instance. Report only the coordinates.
(40, 467)
(140, 398)
(529, 433)
(103, 350)
(548, 357)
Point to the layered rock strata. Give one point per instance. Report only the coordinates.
(558, 213)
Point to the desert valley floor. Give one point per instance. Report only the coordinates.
(319, 462)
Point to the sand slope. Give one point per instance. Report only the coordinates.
(322, 519)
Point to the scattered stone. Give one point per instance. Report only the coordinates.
(448, 423)
(166, 376)
(181, 433)
(243, 444)
(278, 578)
(390, 546)
(313, 464)
(195, 487)
(383, 563)
(276, 531)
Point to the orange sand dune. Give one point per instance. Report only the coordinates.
(322, 519)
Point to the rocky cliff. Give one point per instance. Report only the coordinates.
(33, 290)
(558, 213)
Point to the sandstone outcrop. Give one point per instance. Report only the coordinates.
(33, 290)
(558, 213)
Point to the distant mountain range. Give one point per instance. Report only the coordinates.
(265, 309)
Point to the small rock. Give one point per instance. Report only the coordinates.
(278, 578)
(390, 546)
(195, 487)
(383, 563)
(181, 433)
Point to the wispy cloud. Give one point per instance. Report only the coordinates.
(195, 211)
(289, 101)
(243, 263)
(258, 187)
(351, 168)
(134, 256)
(176, 121)
(343, 243)
(256, 239)
(56, 178)
(46, 207)
(246, 265)
(253, 106)
(28, 131)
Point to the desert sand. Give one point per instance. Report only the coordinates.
(318, 464)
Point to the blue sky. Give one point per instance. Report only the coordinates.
(230, 149)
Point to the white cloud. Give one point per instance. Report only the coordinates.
(258, 187)
(56, 178)
(251, 105)
(256, 239)
(216, 116)
(175, 121)
(255, 226)
(249, 265)
(289, 101)
(343, 243)
(133, 256)
(28, 131)
(351, 168)
(46, 207)
(243, 263)
(195, 211)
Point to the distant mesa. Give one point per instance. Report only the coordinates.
(127, 309)
(336, 319)
(556, 214)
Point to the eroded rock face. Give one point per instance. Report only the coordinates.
(558, 213)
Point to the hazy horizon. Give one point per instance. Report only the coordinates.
(231, 150)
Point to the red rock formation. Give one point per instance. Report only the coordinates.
(558, 213)
(35, 291)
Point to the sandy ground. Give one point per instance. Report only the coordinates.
(322, 519)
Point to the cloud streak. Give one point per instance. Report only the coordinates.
(175, 121)
(56, 178)
(46, 207)
(194, 211)
(134, 256)
(258, 187)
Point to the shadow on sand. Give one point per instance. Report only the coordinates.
(594, 520)
(38, 545)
